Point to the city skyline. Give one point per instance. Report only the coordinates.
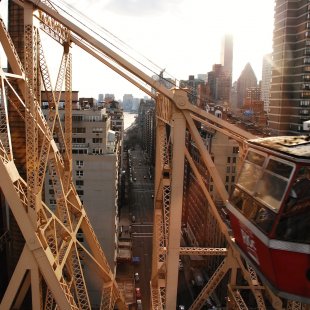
(180, 36)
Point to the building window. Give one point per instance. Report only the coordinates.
(235, 149)
(305, 94)
(307, 69)
(306, 77)
(97, 130)
(79, 173)
(78, 130)
(79, 163)
(51, 192)
(97, 140)
(304, 103)
(78, 140)
(79, 151)
(97, 151)
(77, 118)
(80, 192)
(52, 201)
(228, 159)
(79, 182)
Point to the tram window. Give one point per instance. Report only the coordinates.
(251, 171)
(270, 190)
(279, 168)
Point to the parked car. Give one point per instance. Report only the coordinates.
(136, 260)
(138, 293)
(137, 277)
(181, 266)
(139, 304)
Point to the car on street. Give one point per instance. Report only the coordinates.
(135, 259)
(181, 266)
(181, 307)
(138, 293)
(139, 304)
(137, 277)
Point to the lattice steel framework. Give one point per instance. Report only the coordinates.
(52, 260)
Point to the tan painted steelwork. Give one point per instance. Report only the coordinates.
(53, 258)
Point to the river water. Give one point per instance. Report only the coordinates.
(129, 118)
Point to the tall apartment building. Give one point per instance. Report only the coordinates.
(227, 54)
(95, 163)
(219, 84)
(95, 171)
(128, 102)
(289, 103)
(266, 80)
(191, 84)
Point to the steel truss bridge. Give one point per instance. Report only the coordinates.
(51, 262)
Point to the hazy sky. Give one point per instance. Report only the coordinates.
(182, 36)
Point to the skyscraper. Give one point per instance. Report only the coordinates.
(227, 54)
(266, 80)
(290, 87)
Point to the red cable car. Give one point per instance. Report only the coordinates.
(269, 212)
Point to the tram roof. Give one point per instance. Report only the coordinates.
(297, 146)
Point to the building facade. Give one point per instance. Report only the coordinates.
(289, 105)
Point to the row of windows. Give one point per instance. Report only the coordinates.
(306, 77)
(83, 140)
(304, 103)
(78, 130)
(83, 130)
(84, 151)
(79, 151)
(87, 118)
